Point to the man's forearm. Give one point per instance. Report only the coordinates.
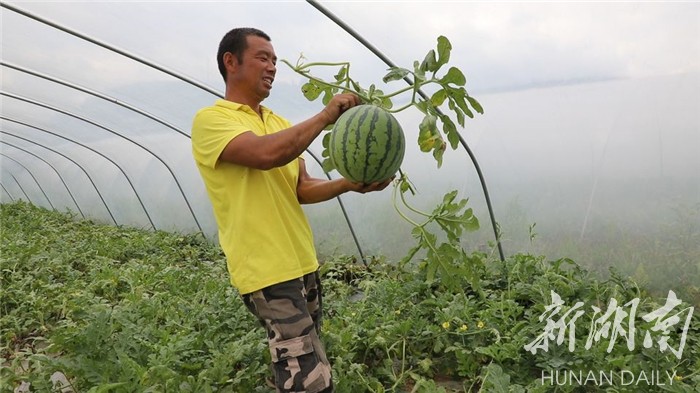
(318, 190)
(274, 150)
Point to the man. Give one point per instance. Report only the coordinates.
(251, 164)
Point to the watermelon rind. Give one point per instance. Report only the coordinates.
(367, 144)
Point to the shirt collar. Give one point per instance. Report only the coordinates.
(238, 106)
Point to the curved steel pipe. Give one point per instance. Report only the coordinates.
(156, 67)
(43, 105)
(7, 192)
(108, 47)
(94, 94)
(408, 80)
(33, 177)
(345, 214)
(62, 155)
(20, 188)
(115, 101)
(54, 169)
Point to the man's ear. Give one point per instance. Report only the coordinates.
(231, 62)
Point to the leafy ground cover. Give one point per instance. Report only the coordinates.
(126, 310)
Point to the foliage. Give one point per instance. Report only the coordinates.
(124, 310)
(447, 260)
(119, 309)
(450, 91)
(443, 259)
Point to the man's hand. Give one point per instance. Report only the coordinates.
(312, 190)
(365, 188)
(339, 104)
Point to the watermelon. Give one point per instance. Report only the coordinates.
(366, 144)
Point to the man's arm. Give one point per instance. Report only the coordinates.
(278, 149)
(312, 190)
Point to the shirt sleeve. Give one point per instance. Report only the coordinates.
(211, 132)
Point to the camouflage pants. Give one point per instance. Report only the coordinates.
(291, 314)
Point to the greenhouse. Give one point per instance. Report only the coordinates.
(550, 180)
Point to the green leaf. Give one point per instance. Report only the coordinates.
(438, 97)
(460, 116)
(438, 153)
(449, 128)
(356, 86)
(405, 186)
(395, 73)
(459, 95)
(422, 106)
(448, 198)
(463, 106)
(418, 73)
(327, 165)
(431, 270)
(326, 142)
(427, 133)
(451, 219)
(470, 221)
(497, 381)
(411, 252)
(386, 103)
(342, 74)
(475, 104)
(429, 62)
(428, 124)
(454, 76)
(311, 90)
(327, 96)
(429, 143)
(444, 48)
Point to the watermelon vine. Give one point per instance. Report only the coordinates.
(445, 260)
(450, 89)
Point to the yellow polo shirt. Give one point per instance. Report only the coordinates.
(263, 230)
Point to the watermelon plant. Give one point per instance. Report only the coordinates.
(124, 310)
(365, 145)
(450, 89)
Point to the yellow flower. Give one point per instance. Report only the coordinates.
(480, 325)
(445, 325)
(397, 312)
(463, 328)
(679, 378)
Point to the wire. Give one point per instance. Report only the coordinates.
(388, 62)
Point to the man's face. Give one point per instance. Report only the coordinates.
(256, 73)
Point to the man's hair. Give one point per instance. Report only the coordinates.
(235, 41)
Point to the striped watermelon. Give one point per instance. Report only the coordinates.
(366, 144)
